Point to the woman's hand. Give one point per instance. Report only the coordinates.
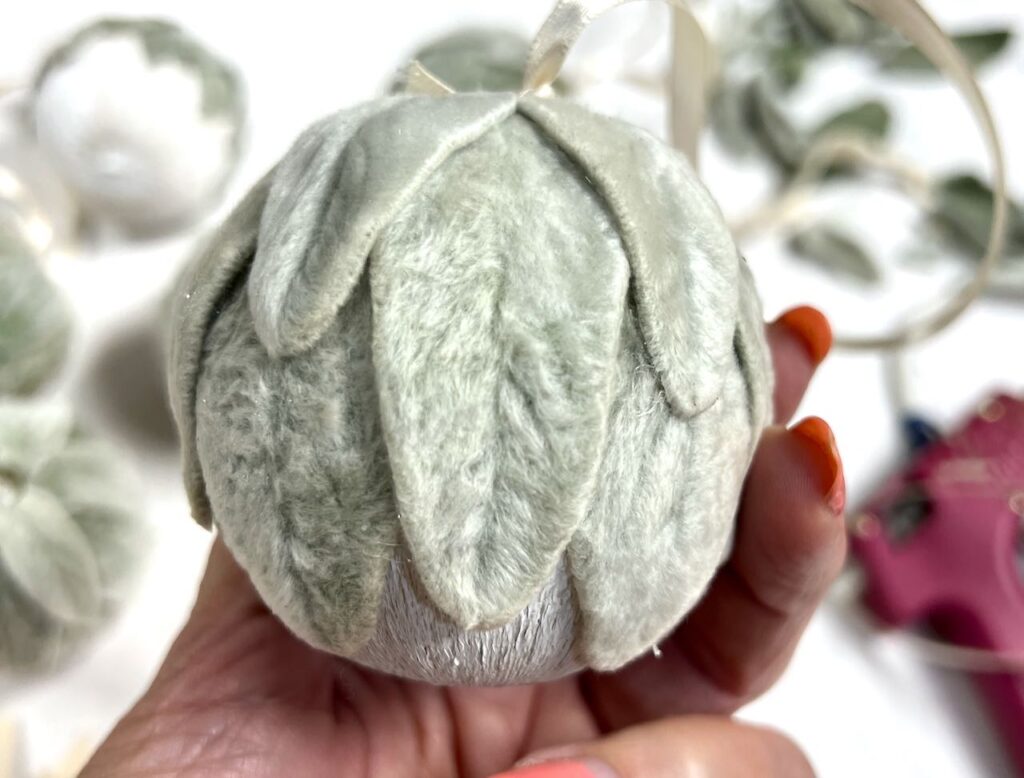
(238, 695)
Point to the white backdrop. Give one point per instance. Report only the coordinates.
(859, 704)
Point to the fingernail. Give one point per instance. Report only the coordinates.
(585, 768)
(812, 328)
(817, 432)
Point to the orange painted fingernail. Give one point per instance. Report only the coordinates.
(818, 433)
(588, 768)
(812, 328)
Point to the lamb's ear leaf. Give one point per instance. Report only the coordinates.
(684, 262)
(335, 192)
(978, 48)
(693, 470)
(193, 305)
(835, 251)
(498, 301)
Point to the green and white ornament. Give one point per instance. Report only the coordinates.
(35, 321)
(143, 121)
(71, 537)
(469, 384)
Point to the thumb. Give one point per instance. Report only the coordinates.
(690, 747)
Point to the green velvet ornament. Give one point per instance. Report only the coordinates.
(470, 384)
(35, 322)
(71, 537)
(474, 60)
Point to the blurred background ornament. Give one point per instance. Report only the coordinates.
(474, 59)
(142, 120)
(35, 320)
(71, 535)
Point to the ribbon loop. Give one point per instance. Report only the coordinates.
(556, 37)
(420, 81)
(910, 19)
(692, 61)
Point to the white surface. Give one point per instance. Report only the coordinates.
(857, 704)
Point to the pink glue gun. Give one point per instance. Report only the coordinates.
(942, 543)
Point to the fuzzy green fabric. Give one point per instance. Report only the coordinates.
(35, 321)
(501, 342)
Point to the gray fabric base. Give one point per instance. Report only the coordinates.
(414, 640)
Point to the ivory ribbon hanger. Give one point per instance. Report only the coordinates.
(693, 62)
(692, 65)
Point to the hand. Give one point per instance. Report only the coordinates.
(238, 695)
